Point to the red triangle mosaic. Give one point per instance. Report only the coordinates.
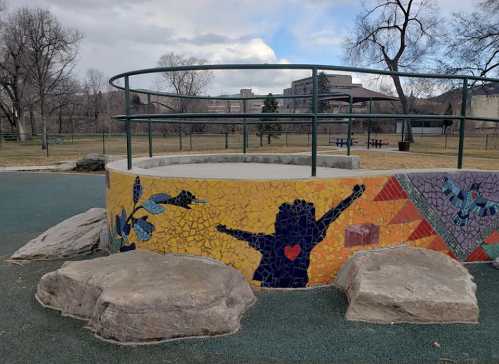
(492, 238)
(423, 230)
(478, 255)
(408, 213)
(392, 190)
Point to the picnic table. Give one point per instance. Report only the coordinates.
(341, 142)
(377, 143)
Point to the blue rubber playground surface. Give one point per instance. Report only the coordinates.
(283, 327)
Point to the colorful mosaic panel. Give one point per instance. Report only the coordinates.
(298, 233)
(462, 207)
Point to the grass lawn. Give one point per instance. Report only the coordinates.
(426, 152)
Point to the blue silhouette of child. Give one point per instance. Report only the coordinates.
(286, 253)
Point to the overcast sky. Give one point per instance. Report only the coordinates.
(122, 35)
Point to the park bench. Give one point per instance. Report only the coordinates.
(377, 143)
(55, 139)
(9, 137)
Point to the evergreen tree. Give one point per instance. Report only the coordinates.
(323, 83)
(322, 88)
(273, 130)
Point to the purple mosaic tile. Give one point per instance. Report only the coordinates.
(470, 231)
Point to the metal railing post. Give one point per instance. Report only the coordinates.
(127, 124)
(315, 88)
(245, 130)
(103, 141)
(369, 124)
(464, 101)
(149, 124)
(180, 136)
(349, 129)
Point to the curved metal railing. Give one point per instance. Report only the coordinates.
(313, 116)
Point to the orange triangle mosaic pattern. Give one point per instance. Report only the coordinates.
(387, 205)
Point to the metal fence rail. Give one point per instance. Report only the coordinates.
(312, 118)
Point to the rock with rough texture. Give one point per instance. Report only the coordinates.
(79, 235)
(144, 297)
(406, 284)
(91, 163)
(65, 166)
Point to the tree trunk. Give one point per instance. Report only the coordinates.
(261, 139)
(22, 131)
(405, 107)
(268, 138)
(44, 122)
(32, 121)
(59, 116)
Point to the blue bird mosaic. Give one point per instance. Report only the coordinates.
(468, 201)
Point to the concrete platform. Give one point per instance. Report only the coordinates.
(238, 166)
(246, 171)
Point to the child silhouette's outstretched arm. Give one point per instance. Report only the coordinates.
(257, 241)
(324, 222)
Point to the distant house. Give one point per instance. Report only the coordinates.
(344, 87)
(236, 106)
(337, 83)
(483, 101)
(423, 127)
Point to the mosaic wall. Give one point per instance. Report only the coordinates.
(298, 233)
(462, 208)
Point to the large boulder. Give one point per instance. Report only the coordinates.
(141, 296)
(406, 284)
(81, 234)
(91, 163)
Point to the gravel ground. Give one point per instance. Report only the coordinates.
(283, 327)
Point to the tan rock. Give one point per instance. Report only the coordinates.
(78, 235)
(406, 284)
(143, 297)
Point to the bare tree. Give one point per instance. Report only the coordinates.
(473, 43)
(399, 34)
(13, 82)
(94, 86)
(188, 83)
(64, 98)
(50, 55)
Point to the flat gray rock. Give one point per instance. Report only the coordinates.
(92, 162)
(406, 284)
(145, 297)
(81, 234)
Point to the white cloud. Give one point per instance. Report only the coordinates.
(326, 38)
(122, 35)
